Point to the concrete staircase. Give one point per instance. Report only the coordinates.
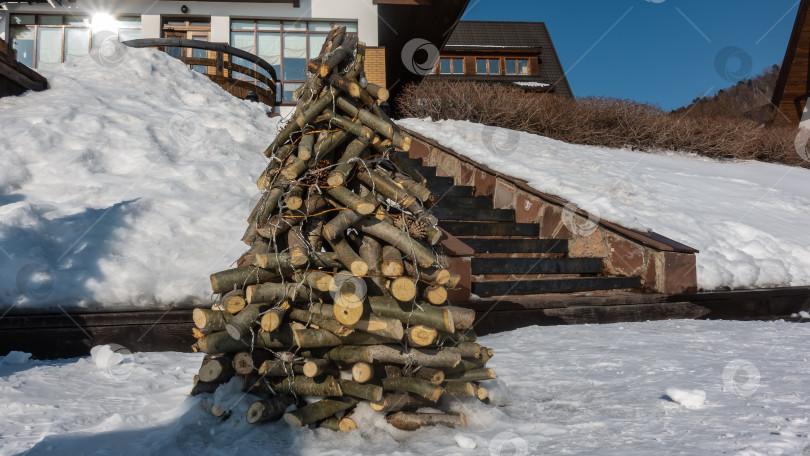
(512, 259)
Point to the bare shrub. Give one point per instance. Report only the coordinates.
(599, 121)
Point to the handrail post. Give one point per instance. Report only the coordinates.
(219, 63)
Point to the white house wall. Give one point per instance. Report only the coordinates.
(364, 12)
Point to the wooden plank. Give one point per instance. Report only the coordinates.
(522, 287)
(518, 245)
(460, 229)
(536, 266)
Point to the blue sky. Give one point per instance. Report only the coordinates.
(665, 52)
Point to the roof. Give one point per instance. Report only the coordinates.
(792, 85)
(493, 35)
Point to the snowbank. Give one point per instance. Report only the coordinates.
(578, 390)
(125, 184)
(748, 219)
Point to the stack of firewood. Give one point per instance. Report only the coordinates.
(342, 296)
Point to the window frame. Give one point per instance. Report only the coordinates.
(63, 27)
(281, 31)
(487, 60)
(515, 61)
(453, 69)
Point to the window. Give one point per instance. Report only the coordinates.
(451, 66)
(487, 66)
(44, 41)
(286, 45)
(517, 67)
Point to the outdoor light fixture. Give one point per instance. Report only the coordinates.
(184, 9)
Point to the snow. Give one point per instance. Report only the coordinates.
(747, 218)
(689, 399)
(532, 84)
(578, 390)
(125, 184)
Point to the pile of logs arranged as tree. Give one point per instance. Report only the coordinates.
(342, 296)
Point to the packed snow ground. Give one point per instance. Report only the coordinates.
(126, 183)
(667, 387)
(748, 219)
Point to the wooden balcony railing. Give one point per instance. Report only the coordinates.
(219, 66)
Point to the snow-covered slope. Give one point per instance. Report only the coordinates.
(126, 183)
(656, 388)
(748, 219)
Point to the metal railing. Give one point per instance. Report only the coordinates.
(221, 67)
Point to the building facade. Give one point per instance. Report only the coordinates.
(515, 53)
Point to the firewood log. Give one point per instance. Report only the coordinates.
(278, 292)
(408, 421)
(297, 246)
(416, 386)
(248, 362)
(399, 239)
(437, 275)
(421, 336)
(268, 410)
(318, 411)
(402, 288)
(430, 316)
(392, 262)
(352, 200)
(279, 368)
(225, 281)
(317, 367)
(380, 93)
(343, 424)
(474, 375)
(346, 164)
(374, 180)
(463, 318)
(361, 391)
(348, 257)
(459, 389)
(376, 123)
(321, 322)
(201, 387)
(217, 370)
(208, 321)
(436, 295)
(362, 372)
(396, 401)
(272, 318)
(240, 326)
(434, 376)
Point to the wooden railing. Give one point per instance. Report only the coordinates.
(219, 65)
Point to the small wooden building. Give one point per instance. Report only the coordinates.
(793, 85)
(517, 53)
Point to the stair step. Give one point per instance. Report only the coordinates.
(461, 229)
(518, 245)
(536, 266)
(440, 191)
(434, 181)
(403, 156)
(427, 171)
(525, 287)
(465, 213)
(481, 202)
